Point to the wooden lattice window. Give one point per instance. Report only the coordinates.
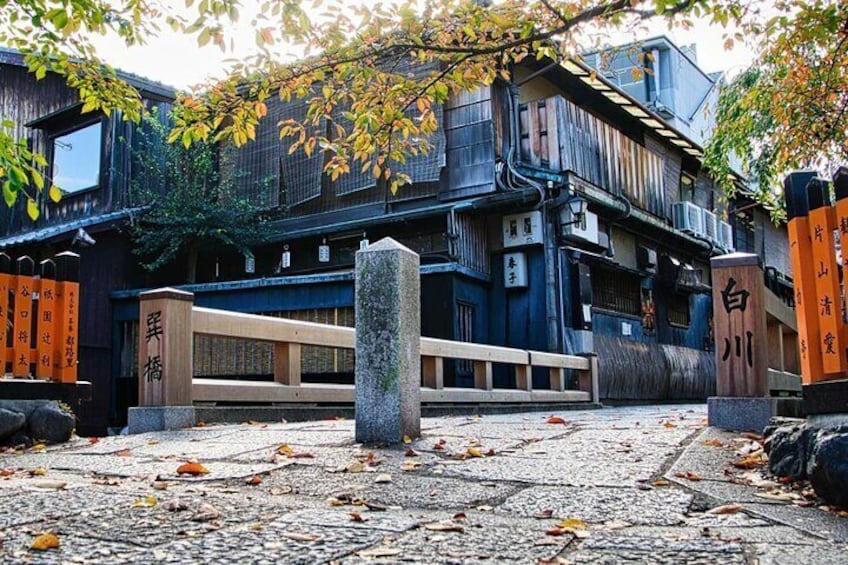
(616, 290)
(677, 309)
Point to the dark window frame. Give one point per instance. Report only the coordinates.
(69, 128)
(616, 291)
(675, 315)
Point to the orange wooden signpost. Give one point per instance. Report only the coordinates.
(42, 317)
(819, 300)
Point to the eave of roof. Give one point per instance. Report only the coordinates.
(63, 230)
(148, 88)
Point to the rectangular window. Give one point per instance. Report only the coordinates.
(677, 309)
(743, 232)
(616, 290)
(76, 159)
(687, 188)
(465, 332)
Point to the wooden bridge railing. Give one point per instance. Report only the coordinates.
(41, 310)
(169, 321)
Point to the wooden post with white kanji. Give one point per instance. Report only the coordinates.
(24, 283)
(739, 318)
(46, 335)
(66, 343)
(165, 348)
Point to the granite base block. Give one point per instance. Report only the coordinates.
(745, 414)
(143, 419)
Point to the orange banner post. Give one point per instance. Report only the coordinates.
(833, 338)
(67, 317)
(45, 335)
(24, 283)
(840, 185)
(5, 311)
(803, 274)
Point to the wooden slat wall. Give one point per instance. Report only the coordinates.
(558, 134)
(472, 242)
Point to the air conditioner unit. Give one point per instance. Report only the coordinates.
(687, 217)
(711, 226)
(646, 258)
(586, 229)
(725, 232)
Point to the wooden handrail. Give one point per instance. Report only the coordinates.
(290, 336)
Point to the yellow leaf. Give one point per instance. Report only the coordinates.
(574, 524)
(474, 452)
(146, 502)
(45, 541)
(32, 209)
(285, 450)
(38, 447)
(55, 193)
(407, 439)
(38, 472)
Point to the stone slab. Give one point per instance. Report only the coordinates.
(143, 419)
(829, 397)
(749, 414)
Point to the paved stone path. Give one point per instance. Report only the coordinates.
(606, 486)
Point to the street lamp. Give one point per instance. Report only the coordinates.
(577, 207)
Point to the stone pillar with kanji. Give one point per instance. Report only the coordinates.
(164, 361)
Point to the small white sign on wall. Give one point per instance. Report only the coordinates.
(515, 270)
(626, 328)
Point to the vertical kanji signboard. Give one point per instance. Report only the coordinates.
(165, 348)
(739, 318)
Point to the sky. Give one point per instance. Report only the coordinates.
(177, 61)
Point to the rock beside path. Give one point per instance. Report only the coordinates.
(799, 452)
(38, 419)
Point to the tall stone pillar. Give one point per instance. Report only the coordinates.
(388, 343)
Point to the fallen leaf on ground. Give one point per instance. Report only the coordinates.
(124, 453)
(285, 489)
(713, 442)
(778, 495)
(254, 480)
(357, 517)
(153, 442)
(689, 475)
(576, 523)
(206, 512)
(57, 485)
(669, 425)
(754, 479)
(38, 447)
(473, 452)
(410, 466)
(384, 478)
(460, 516)
(444, 527)
(555, 420)
(356, 467)
(377, 552)
(38, 472)
(45, 541)
(725, 509)
(6, 472)
(192, 468)
(440, 445)
(407, 439)
(145, 502)
(410, 452)
(93, 439)
(660, 483)
(750, 462)
(285, 450)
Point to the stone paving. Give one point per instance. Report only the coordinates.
(639, 484)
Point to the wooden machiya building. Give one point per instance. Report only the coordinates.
(560, 214)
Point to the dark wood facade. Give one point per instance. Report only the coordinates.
(569, 136)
